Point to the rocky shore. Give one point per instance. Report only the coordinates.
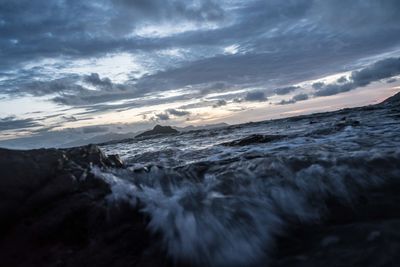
(54, 212)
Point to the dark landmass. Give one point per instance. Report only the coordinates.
(55, 212)
(158, 130)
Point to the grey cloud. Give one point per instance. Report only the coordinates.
(286, 90)
(201, 104)
(162, 116)
(255, 96)
(286, 102)
(300, 97)
(178, 113)
(160, 10)
(333, 89)
(95, 80)
(219, 103)
(294, 99)
(393, 80)
(12, 123)
(32, 30)
(94, 129)
(342, 79)
(318, 85)
(69, 118)
(281, 42)
(65, 85)
(68, 90)
(88, 28)
(379, 70)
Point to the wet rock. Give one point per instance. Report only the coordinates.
(254, 139)
(55, 212)
(115, 161)
(344, 122)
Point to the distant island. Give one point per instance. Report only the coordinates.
(158, 130)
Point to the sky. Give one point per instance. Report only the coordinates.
(71, 69)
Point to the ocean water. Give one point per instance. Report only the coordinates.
(217, 203)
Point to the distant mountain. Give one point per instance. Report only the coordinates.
(158, 130)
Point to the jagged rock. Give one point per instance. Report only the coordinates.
(159, 130)
(54, 212)
(344, 122)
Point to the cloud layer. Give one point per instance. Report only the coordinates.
(382, 69)
(97, 56)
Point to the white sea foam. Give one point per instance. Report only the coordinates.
(231, 215)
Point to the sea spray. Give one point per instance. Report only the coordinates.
(231, 213)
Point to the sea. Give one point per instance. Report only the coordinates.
(222, 197)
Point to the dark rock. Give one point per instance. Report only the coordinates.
(115, 161)
(344, 122)
(159, 130)
(254, 139)
(54, 212)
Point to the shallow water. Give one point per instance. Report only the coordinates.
(220, 205)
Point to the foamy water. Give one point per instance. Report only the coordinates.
(217, 205)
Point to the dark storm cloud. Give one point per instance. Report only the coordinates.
(379, 70)
(37, 29)
(40, 29)
(255, 96)
(280, 43)
(11, 123)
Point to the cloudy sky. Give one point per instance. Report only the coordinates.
(72, 67)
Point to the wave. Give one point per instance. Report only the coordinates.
(231, 212)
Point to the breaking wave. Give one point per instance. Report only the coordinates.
(230, 212)
(225, 197)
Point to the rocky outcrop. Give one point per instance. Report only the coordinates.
(54, 212)
(159, 130)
